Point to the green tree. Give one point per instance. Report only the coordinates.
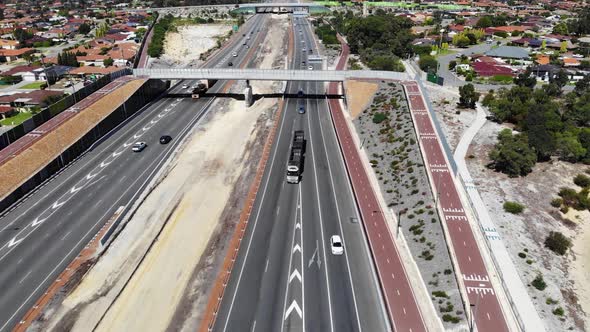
(561, 29)
(108, 62)
(84, 29)
(428, 63)
(569, 147)
(468, 96)
(526, 79)
(512, 154)
(484, 22)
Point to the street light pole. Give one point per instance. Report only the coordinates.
(473, 313)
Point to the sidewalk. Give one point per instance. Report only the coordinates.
(513, 285)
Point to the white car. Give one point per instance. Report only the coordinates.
(336, 244)
(234, 54)
(139, 146)
(185, 86)
(310, 68)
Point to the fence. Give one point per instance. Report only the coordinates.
(54, 109)
(144, 41)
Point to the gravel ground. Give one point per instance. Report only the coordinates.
(395, 156)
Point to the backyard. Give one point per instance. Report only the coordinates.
(16, 119)
(34, 85)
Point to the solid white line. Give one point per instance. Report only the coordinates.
(66, 235)
(321, 226)
(302, 267)
(335, 195)
(255, 223)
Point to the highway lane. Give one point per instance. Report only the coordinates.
(42, 235)
(286, 278)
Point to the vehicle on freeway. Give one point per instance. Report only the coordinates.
(296, 158)
(244, 44)
(165, 139)
(185, 86)
(248, 37)
(304, 49)
(300, 93)
(247, 46)
(336, 245)
(301, 107)
(199, 90)
(234, 54)
(310, 68)
(229, 64)
(139, 146)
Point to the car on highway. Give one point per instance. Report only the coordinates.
(139, 146)
(185, 86)
(336, 245)
(300, 93)
(230, 64)
(234, 54)
(165, 139)
(309, 67)
(301, 109)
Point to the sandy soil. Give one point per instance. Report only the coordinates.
(358, 95)
(525, 233)
(184, 47)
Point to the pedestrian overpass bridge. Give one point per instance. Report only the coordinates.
(267, 74)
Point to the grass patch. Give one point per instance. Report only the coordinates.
(16, 119)
(513, 207)
(34, 85)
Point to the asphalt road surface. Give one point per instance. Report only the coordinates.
(286, 277)
(41, 236)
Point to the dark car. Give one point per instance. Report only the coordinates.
(229, 64)
(300, 93)
(165, 139)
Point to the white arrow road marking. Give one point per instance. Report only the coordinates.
(295, 274)
(37, 221)
(126, 145)
(295, 248)
(136, 136)
(90, 176)
(146, 128)
(153, 121)
(116, 154)
(104, 164)
(14, 242)
(297, 225)
(57, 205)
(75, 189)
(295, 306)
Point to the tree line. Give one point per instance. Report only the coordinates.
(547, 123)
(380, 39)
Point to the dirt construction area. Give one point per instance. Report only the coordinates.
(157, 273)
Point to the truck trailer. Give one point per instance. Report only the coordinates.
(296, 157)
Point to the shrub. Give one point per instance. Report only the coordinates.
(451, 318)
(513, 207)
(551, 301)
(556, 202)
(558, 243)
(448, 271)
(379, 117)
(440, 294)
(539, 283)
(582, 180)
(521, 255)
(558, 311)
(428, 63)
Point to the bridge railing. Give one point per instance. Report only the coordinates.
(268, 74)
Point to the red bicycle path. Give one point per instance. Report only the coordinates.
(487, 311)
(399, 298)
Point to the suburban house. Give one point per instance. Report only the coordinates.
(25, 101)
(6, 111)
(12, 55)
(508, 52)
(8, 44)
(26, 72)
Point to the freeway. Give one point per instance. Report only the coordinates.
(285, 277)
(43, 234)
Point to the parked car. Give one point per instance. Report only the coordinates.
(165, 139)
(139, 146)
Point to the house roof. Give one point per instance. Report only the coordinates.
(542, 59)
(487, 69)
(511, 52)
(571, 62)
(33, 97)
(5, 109)
(7, 42)
(18, 52)
(19, 69)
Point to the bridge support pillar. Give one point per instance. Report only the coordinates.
(248, 97)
